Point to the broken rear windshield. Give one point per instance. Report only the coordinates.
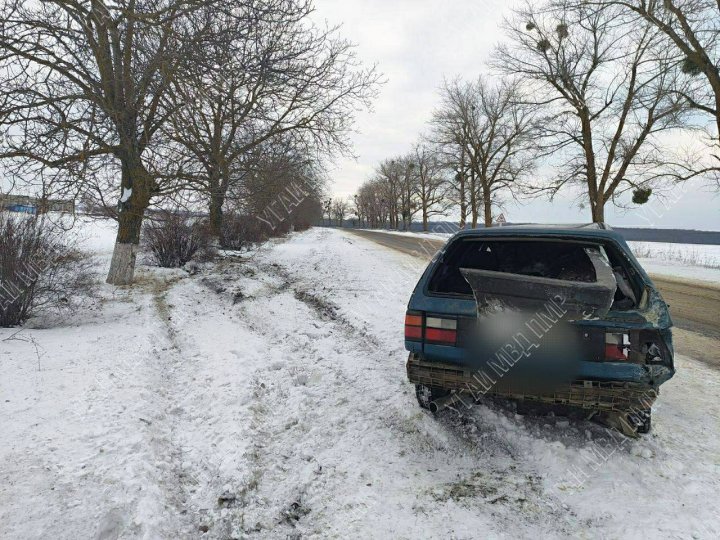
(549, 259)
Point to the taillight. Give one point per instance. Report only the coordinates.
(440, 331)
(616, 346)
(413, 327)
(433, 329)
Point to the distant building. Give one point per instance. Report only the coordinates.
(22, 208)
(34, 205)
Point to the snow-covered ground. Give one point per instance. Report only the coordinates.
(267, 398)
(693, 261)
(689, 254)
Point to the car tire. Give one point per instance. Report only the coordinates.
(427, 394)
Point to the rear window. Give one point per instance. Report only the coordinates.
(549, 259)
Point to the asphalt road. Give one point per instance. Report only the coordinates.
(694, 305)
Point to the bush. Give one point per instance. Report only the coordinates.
(241, 231)
(39, 268)
(173, 239)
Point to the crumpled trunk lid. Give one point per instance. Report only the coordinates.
(500, 291)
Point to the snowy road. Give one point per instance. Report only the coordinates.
(267, 398)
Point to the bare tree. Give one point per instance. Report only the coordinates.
(371, 203)
(85, 84)
(611, 93)
(388, 180)
(455, 162)
(357, 209)
(431, 184)
(396, 179)
(327, 210)
(495, 130)
(339, 210)
(265, 72)
(693, 27)
(450, 140)
(407, 174)
(274, 183)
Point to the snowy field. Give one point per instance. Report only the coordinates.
(693, 261)
(267, 398)
(681, 254)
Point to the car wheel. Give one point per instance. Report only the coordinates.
(427, 394)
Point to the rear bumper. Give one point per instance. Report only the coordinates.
(587, 393)
(621, 372)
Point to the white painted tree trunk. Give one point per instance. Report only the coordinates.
(122, 266)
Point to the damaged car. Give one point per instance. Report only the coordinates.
(561, 317)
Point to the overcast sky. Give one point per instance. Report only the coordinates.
(418, 43)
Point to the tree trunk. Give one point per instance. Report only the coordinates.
(463, 193)
(122, 264)
(463, 202)
(487, 206)
(425, 217)
(217, 200)
(127, 245)
(598, 211)
(134, 200)
(473, 199)
(713, 76)
(474, 209)
(595, 192)
(716, 89)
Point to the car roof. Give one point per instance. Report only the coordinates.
(584, 230)
(561, 225)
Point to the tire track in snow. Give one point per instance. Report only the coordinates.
(164, 427)
(478, 484)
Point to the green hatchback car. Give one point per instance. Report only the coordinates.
(554, 316)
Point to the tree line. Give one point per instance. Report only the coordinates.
(600, 93)
(132, 105)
